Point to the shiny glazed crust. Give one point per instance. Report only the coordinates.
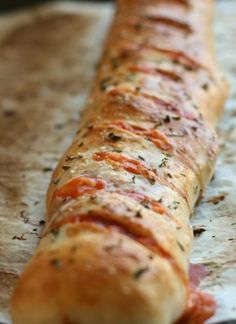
(116, 245)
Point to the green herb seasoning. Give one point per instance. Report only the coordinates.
(163, 162)
(180, 246)
(141, 158)
(114, 137)
(66, 167)
(205, 86)
(56, 263)
(104, 83)
(139, 272)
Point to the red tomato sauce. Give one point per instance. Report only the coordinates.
(78, 187)
(138, 98)
(136, 167)
(126, 163)
(151, 203)
(157, 137)
(137, 233)
(170, 22)
(197, 272)
(180, 56)
(149, 19)
(200, 306)
(149, 69)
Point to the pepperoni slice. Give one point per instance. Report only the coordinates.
(200, 307)
(180, 56)
(141, 101)
(126, 163)
(168, 21)
(157, 137)
(138, 168)
(151, 203)
(197, 272)
(78, 187)
(149, 69)
(137, 233)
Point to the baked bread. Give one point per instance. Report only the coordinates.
(116, 245)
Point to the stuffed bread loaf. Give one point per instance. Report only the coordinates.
(116, 245)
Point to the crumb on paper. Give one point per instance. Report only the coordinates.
(216, 199)
(198, 230)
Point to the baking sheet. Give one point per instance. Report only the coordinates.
(48, 57)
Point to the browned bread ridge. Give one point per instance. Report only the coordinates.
(117, 240)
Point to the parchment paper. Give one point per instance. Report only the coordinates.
(48, 57)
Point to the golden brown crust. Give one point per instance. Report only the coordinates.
(117, 240)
